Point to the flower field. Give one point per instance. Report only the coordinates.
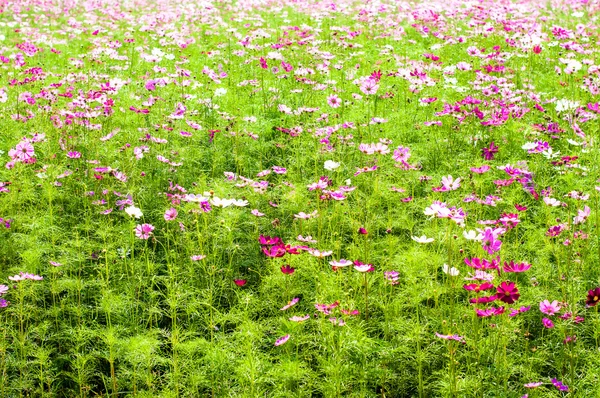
(277, 198)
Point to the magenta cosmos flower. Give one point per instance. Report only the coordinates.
(508, 292)
(144, 231)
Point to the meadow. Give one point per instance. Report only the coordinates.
(277, 198)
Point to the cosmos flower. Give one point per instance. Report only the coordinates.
(282, 340)
(549, 308)
(170, 214)
(133, 211)
(144, 231)
(422, 239)
(593, 297)
(240, 282)
(508, 292)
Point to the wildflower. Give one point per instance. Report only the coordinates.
(320, 254)
(515, 312)
(54, 264)
(331, 165)
(170, 214)
(559, 385)
(548, 324)
(337, 321)
(240, 282)
(133, 211)
(392, 277)
(533, 385)
(508, 292)
(450, 271)
(489, 152)
(290, 304)
(422, 239)
(360, 267)
(593, 297)
(549, 308)
(286, 269)
(282, 340)
(341, 263)
(362, 231)
(454, 337)
(450, 184)
(73, 155)
(489, 242)
(334, 101)
(478, 288)
(492, 311)
(269, 241)
(257, 213)
(25, 275)
(144, 231)
(198, 257)
(518, 267)
(569, 339)
(3, 289)
(274, 251)
(299, 318)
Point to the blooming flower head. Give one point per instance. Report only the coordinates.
(290, 304)
(331, 165)
(515, 267)
(144, 231)
(282, 340)
(286, 269)
(489, 152)
(549, 308)
(170, 214)
(133, 211)
(593, 297)
(240, 282)
(422, 239)
(450, 270)
(548, 324)
(508, 292)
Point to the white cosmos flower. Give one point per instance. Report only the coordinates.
(239, 202)
(422, 239)
(472, 235)
(133, 211)
(331, 165)
(450, 271)
(216, 201)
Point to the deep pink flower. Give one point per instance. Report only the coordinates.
(508, 292)
(518, 267)
(286, 269)
(274, 251)
(548, 324)
(489, 152)
(240, 282)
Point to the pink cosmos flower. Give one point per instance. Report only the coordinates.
(73, 155)
(290, 304)
(454, 337)
(170, 214)
(299, 318)
(282, 340)
(334, 101)
(23, 151)
(549, 308)
(144, 231)
(240, 282)
(197, 257)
